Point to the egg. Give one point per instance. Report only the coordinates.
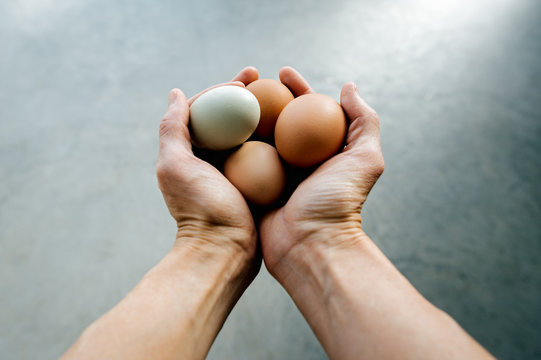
(309, 130)
(272, 96)
(223, 117)
(256, 170)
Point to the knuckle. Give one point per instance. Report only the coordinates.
(166, 168)
(165, 125)
(379, 167)
(376, 161)
(174, 165)
(368, 119)
(168, 116)
(170, 125)
(162, 171)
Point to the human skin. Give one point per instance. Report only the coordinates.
(356, 302)
(178, 308)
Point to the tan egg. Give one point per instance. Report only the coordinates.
(257, 171)
(272, 96)
(310, 129)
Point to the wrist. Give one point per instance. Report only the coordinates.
(226, 256)
(207, 265)
(306, 244)
(220, 261)
(216, 241)
(313, 260)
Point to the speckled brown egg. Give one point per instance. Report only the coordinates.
(310, 129)
(272, 96)
(256, 171)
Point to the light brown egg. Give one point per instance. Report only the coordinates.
(309, 130)
(256, 171)
(272, 96)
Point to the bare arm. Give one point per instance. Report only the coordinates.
(361, 307)
(357, 303)
(178, 308)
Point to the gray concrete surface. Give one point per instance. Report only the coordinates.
(83, 85)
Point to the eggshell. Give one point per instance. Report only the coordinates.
(256, 171)
(309, 130)
(272, 96)
(223, 118)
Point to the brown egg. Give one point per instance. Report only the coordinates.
(273, 96)
(257, 171)
(310, 129)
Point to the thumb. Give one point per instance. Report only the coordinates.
(364, 121)
(174, 133)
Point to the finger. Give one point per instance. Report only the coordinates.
(294, 81)
(247, 75)
(174, 133)
(364, 122)
(234, 83)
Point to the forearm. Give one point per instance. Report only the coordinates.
(361, 307)
(174, 312)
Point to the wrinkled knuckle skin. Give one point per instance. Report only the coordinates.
(165, 124)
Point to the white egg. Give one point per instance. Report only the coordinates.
(223, 117)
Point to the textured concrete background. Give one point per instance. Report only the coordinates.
(83, 85)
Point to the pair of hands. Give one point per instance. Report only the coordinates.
(324, 210)
(355, 300)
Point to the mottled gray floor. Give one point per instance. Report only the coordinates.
(83, 85)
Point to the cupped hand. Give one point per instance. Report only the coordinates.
(325, 208)
(208, 209)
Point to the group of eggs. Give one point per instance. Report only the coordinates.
(303, 132)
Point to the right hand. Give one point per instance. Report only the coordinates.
(325, 208)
